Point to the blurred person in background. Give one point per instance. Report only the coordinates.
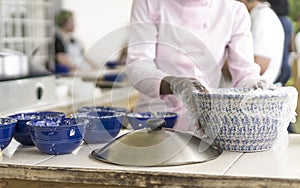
(281, 8)
(268, 38)
(297, 38)
(69, 52)
(179, 46)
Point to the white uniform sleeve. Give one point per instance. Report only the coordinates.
(297, 42)
(140, 65)
(268, 39)
(241, 57)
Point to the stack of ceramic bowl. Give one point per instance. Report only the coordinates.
(7, 127)
(101, 128)
(245, 119)
(104, 124)
(21, 133)
(57, 136)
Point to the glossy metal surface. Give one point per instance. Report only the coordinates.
(165, 147)
(13, 64)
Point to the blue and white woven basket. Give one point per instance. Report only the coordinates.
(246, 120)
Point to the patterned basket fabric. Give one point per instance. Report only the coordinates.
(244, 119)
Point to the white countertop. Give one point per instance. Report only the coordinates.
(260, 164)
(283, 165)
(270, 164)
(117, 97)
(230, 169)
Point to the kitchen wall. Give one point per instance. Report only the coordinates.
(98, 20)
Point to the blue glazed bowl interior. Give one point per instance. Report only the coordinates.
(21, 133)
(7, 127)
(101, 109)
(57, 136)
(138, 120)
(101, 128)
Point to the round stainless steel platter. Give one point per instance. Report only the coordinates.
(164, 147)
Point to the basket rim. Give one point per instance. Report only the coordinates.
(246, 92)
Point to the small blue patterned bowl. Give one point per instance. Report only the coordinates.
(101, 128)
(243, 119)
(21, 133)
(55, 137)
(138, 120)
(105, 111)
(7, 127)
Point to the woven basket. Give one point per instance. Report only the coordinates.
(244, 119)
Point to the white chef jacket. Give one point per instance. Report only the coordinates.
(268, 38)
(187, 38)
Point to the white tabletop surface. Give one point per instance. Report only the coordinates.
(270, 164)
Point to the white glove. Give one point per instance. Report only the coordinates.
(257, 83)
(184, 88)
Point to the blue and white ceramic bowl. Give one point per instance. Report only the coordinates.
(244, 119)
(105, 111)
(101, 128)
(138, 120)
(55, 137)
(7, 127)
(21, 133)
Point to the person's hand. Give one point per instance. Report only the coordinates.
(256, 83)
(184, 88)
(260, 84)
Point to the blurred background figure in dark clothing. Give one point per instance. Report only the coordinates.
(281, 8)
(69, 51)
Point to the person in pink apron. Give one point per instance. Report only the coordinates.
(179, 46)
